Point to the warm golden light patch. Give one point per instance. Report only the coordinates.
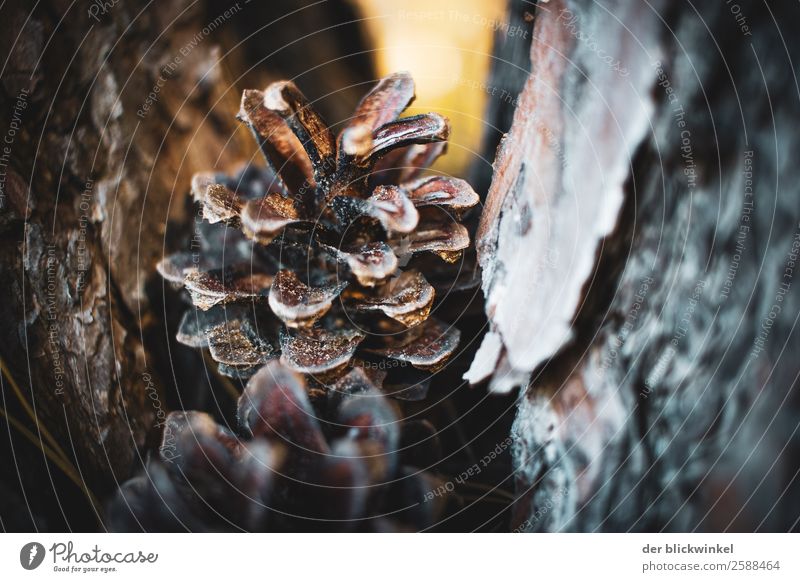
(446, 45)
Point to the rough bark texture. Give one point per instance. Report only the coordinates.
(81, 233)
(107, 112)
(509, 69)
(644, 212)
(638, 246)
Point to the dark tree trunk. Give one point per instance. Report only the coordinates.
(638, 247)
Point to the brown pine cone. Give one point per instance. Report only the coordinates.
(326, 266)
(342, 465)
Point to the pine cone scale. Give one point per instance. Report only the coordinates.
(330, 240)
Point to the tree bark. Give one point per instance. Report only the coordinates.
(638, 246)
(108, 109)
(88, 193)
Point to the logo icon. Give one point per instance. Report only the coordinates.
(31, 555)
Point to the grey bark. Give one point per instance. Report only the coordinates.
(639, 247)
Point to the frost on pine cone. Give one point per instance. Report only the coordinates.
(345, 464)
(315, 278)
(339, 245)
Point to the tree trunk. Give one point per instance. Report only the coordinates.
(638, 247)
(108, 111)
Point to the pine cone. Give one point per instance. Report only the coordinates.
(342, 465)
(328, 252)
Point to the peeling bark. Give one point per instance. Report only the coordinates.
(559, 173)
(658, 389)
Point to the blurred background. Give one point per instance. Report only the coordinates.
(447, 46)
(335, 49)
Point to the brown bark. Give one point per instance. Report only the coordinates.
(112, 108)
(90, 188)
